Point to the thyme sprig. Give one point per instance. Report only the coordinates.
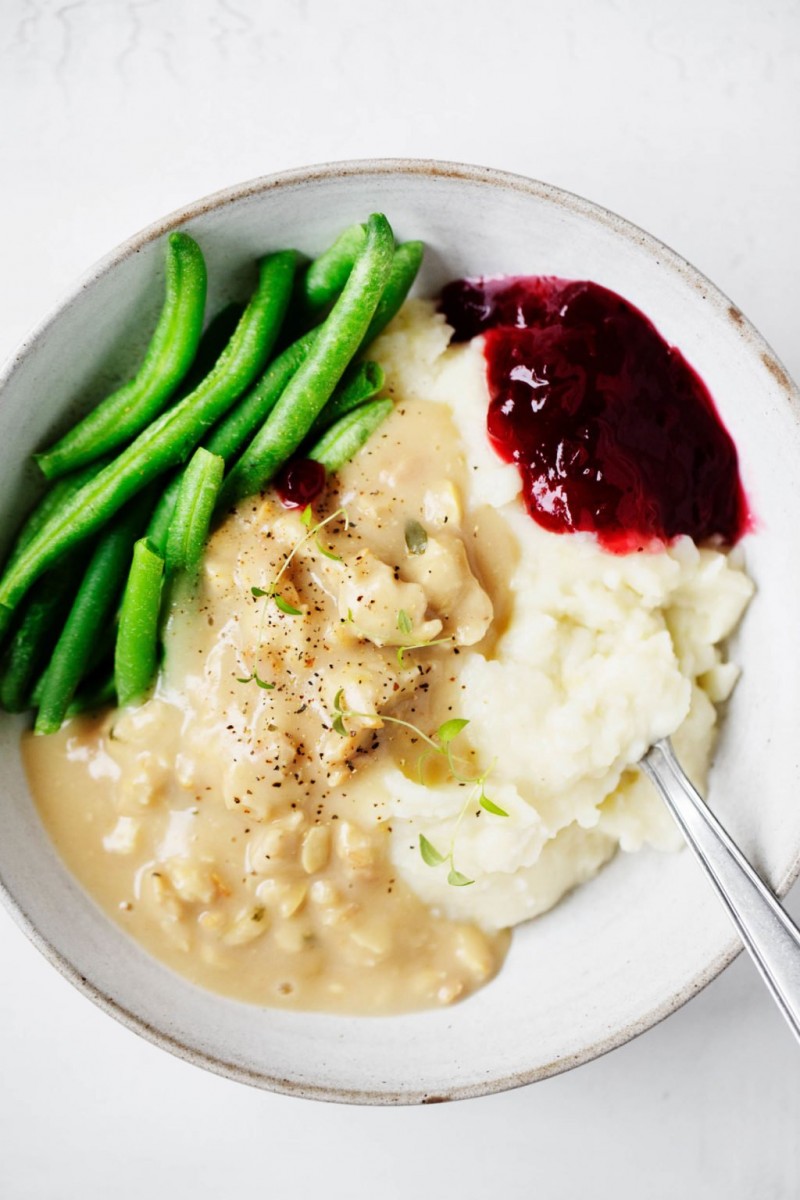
(439, 743)
(345, 714)
(406, 626)
(256, 678)
(271, 591)
(307, 517)
(312, 531)
(403, 650)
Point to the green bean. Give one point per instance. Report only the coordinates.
(102, 654)
(136, 654)
(405, 265)
(166, 442)
(325, 277)
(360, 383)
(337, 340)
(194, 508)
(33, 641)
(164, 511)
(96, 691)
(354, 389)
(128, 410)
(96, 695)
(215, 338)
(228, 438)
(157, 532)
(344, 439)
(49, 504)
(36, 694)
(233, 431)
(92, 610)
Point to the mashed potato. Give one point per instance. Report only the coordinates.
(601, 656)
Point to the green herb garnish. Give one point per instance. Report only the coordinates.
(439, 743)
(416, 537)
(430, 855)
(406, 627)
(312, 531)
(285, 606)
(404, 623)
(328, 553)
(456, 879)
(490, 806)
(402, 651)
(450, 729)
(255, 678)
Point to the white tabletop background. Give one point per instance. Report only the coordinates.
(683, 117)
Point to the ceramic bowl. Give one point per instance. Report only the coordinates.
(619, 953)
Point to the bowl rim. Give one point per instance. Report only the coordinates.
(492, 178)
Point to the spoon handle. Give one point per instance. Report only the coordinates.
(771, 937)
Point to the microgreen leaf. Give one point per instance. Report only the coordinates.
(430, 854)
(255, 678)
(338, 727)
(258, 592)
(491, 807)
(286, 607)
(402, 651)
(328, 553)
(337, 701)
(450, 729)
(404, 622)
(306, 518)
(456, 879)
(416, 537)
(423, 758)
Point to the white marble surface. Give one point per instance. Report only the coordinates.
(682, 117)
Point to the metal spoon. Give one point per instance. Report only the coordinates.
(771, 937)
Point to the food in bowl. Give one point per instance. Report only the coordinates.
(397, 716)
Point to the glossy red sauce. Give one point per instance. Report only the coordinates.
(300, 482)
(612, 430)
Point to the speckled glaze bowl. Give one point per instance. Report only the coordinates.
(621, 952)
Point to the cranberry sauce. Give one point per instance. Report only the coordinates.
(612, 430)
(299, 482)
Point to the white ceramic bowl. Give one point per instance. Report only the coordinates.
(621, 952)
